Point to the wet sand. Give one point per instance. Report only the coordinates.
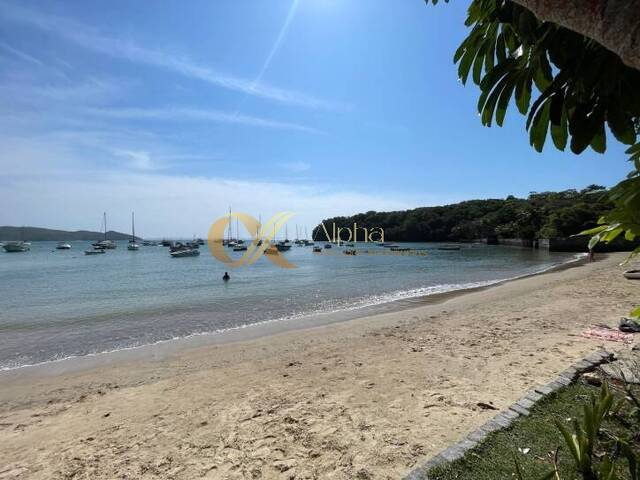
(364, 398)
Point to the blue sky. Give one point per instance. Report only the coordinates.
(321, 107)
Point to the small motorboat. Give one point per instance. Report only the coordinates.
(94, 251)
(350, 251)
(449, 247)
(240, 248)
(283, 246)
(63, 246)
(105, 244)
(632, 274)
(185, 252)
(327, 245)
(13, 247)
(317, 250)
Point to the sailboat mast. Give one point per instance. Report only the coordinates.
(104, 219)
(133, 229)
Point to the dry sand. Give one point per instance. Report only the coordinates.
(368, 398)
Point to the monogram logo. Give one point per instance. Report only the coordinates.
(263, 239)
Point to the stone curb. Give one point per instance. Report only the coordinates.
(505, 418)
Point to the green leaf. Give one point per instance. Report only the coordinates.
(478, 64)
(503, 101)
(593, 231)
(523, 93)
(538, 130)
(559, 133)
(620, 124)
(490, 105)
(599, 140)
(594, 241)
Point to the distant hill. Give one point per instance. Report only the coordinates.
(35, 234)
(540, 215)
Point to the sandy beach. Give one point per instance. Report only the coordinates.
(367, 398)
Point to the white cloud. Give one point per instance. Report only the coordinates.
(138, 160)
(20, 54)
(173, 206)
(296, 167)
(179, 113)
(88, 38)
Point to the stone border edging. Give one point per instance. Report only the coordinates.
(506, 417)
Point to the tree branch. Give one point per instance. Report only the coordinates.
(615, 24)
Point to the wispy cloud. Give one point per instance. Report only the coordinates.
(176, 114)
(20, 54)
(170, 205)
(86, 37)
(90, 90)
(137, 159)
(296, 167)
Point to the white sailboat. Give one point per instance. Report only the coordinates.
(133, 246)
(108, 244)
(19, 246)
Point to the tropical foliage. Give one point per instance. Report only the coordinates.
(597, 453)
(542, 214)
(578, 88)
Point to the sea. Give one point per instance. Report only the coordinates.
(56, 304)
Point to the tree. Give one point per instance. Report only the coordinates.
(580, 60)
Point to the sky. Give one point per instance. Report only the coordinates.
(179, 111)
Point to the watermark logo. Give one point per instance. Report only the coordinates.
(355, 234)
(262, 243)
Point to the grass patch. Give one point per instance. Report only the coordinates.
(494, 458)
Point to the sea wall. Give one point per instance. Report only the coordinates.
(565, 244)
(581, 244)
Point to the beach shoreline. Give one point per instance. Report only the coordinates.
(365, 398)
(171, 347)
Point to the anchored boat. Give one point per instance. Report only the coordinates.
(13, 247)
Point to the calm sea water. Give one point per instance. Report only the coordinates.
(55, 303)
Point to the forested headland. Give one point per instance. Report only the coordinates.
(540, 215)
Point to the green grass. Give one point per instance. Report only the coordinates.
(493, 459)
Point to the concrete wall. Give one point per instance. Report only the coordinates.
(580, 244)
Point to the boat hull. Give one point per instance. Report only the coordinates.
(185, 253)
(632, 274)
(16, 247)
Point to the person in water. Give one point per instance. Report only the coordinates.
(226, 277)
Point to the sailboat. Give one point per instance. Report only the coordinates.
(20, 246)
(284, 245)
(133, 246)
(230, 242)
(108, 244)
(307, 242)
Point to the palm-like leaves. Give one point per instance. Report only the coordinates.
(581, 86)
